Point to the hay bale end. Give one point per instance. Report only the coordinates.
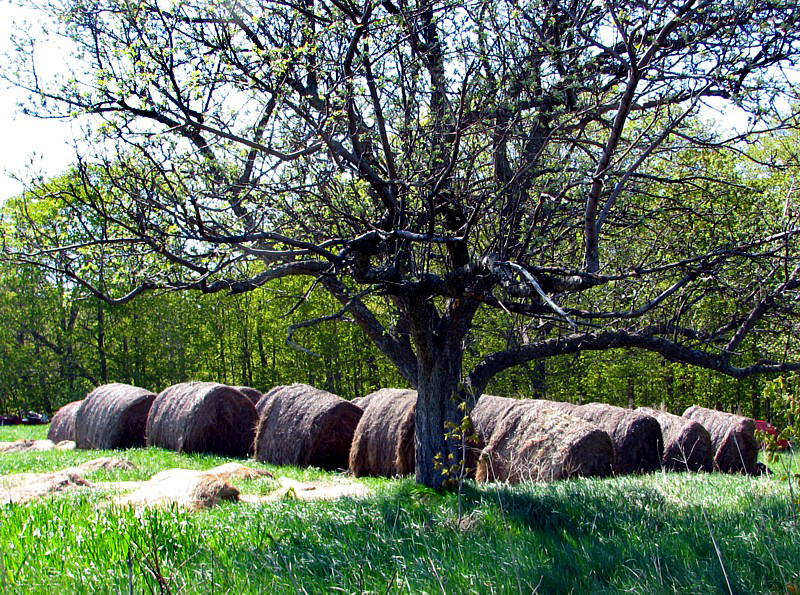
(62, 426)
(305, 426)
(113, 416)
(732, 438)
(383, 443)
(202, 417)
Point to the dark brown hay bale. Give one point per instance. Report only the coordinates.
(113, 416)
(262, 402)
(305, 426)
(383, 443)
(732, 438)
(529, 440)
(62, 426)
(251, 393)
(202, 417)
(638, 444)
(687, 444)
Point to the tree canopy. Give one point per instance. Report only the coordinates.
(435, 166)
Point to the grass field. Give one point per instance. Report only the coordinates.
(662, 533)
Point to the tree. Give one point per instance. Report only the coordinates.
(540, 159)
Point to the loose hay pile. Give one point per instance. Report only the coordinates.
(202, 417)
(305, 426)
(687, 444)
(62, 426)
(313, 491)
(529, 440)
(638, 444)
(24, 487)
(383, 443)
(113, 416)
(185, 487)
(35, 446)
(732, 438)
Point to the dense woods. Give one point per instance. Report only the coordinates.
(58, 345)
(495, 193)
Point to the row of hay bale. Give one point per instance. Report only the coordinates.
(534, 439)
(289, 425)
(518, 440)
(187, 417)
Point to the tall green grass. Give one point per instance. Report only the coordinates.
(662, 533)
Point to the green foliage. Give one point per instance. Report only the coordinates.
(783, 395)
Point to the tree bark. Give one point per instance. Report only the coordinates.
(438, 454)
(439, 343)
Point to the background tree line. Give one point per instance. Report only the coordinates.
(58, 341)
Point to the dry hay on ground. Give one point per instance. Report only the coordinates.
(732, 438)
(35, 445)
(251, 393)
(185, 487)
(239, 471)
(305, 426)
(113, 416)
(106, 464)
(62, 426)
(24, 487)
(529, 440)
(202, 417)
(383, 443)
(312, 491)
(638, 444)
(687, 444)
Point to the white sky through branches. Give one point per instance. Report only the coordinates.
(34, 148)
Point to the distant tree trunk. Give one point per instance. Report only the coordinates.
(631, 393)
(101, 342)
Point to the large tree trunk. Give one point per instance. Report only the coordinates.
(439, 345)
(438, 454)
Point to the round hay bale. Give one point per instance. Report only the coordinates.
(62, 426)
(202, 417)
(529, 440)
(488, 413)
(383, 443)
(638, 444)
(732, 438)
(265, 398)
(364, 401)
(306, 426)
(113, 416)
(687, 444)
(251, 393)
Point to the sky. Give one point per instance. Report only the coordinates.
(29, 145)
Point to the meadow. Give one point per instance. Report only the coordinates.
(660, 533)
